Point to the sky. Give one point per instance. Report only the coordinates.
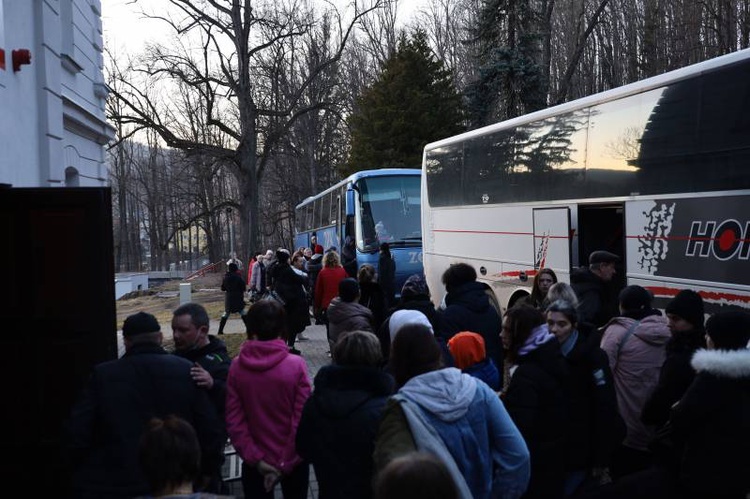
(126, 31)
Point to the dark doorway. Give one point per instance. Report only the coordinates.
(602, 227)
(57, 307)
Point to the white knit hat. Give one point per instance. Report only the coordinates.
(401, 318)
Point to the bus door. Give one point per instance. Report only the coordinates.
(602, 227)
(552, 239)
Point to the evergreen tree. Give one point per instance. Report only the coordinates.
(412, 103)
(509, 42)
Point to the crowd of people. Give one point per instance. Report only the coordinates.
(571, 392)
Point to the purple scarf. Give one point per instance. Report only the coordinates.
(539, 336)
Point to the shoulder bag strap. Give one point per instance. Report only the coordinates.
(627, 336)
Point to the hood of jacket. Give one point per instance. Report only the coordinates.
(653, 329)
(733, 364)
(471, 295)
(257, 355)
(445, 393)
(341, 390)
(339, 311)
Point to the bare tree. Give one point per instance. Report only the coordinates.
(223, 68)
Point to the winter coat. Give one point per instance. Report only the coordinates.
(387, 277)
(675, 376)
(635, 360)
(120, 398)
(712, 421)
(347, 316)
(266, 390)
(313, 267)
(471, 423)
(537, 400)
(597, 302)
(338, 428)
(291, 288)
(486, 371)
(234, 292)
(468, 308)
(327, 286)
(215, 359)
(596, 428)
(371, 296)
(258, 279)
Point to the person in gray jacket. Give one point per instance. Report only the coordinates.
(345, 312)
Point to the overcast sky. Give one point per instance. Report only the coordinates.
(126, 31)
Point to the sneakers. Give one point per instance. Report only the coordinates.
(302, 337)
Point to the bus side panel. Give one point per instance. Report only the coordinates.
(498, 241)
(702, 243)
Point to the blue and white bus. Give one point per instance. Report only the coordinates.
(371, 206)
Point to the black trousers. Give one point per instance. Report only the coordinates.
(293, 486)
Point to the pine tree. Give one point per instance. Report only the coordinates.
(412, 103)
(509, 42)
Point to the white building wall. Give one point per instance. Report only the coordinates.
(52, 118)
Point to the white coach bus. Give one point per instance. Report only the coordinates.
(657, 171)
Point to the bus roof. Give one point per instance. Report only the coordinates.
(381, 172)
(607, 95)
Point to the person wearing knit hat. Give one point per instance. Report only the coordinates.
(415, 285)
(685, 315)
(711, 422)
(685, 311)
(121, 396)
(401, 318)
(140, 323)
(345, 313)
(470, 356)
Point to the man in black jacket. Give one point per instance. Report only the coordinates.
(190, 324)
(468, 308)
(597, 303)
(120, 398)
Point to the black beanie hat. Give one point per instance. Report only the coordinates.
(635, 297)
(348, 289)
(729, 330)
(140, 323)
(688, 305)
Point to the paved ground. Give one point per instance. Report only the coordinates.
(314, 351)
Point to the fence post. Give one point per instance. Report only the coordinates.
(185, 292)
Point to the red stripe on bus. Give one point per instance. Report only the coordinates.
(484, 232)
(706, 295)
(517, 273)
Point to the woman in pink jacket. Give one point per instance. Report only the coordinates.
(635, 344)
(266, 390)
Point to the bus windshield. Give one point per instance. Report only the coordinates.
(388, 211)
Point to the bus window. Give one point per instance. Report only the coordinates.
(444, 167)
(488, 159)
(316, 214)
(309, 216)
(389, 212)
(335, 201)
